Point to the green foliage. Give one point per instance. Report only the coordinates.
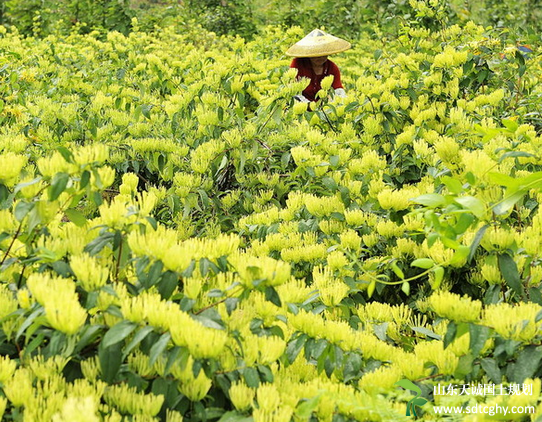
(219, 252)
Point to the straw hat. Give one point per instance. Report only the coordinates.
(317, 44)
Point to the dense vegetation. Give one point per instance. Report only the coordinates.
(179, 240)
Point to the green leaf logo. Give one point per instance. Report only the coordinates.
(416, 401)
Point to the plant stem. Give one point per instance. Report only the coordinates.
(15, 236)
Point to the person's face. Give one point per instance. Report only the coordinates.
(318, 61)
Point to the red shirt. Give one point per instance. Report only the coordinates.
(304, 70)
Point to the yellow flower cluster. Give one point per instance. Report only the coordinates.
(62, 309)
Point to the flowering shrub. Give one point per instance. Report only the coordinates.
(179, 241)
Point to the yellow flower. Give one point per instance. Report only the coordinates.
(89, 272)
(128, 400)
(62, 310)
(454, 307)
(241, 395)
(10, 167)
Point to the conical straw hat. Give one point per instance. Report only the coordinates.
(317, 44)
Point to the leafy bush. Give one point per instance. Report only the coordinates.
(179, 240)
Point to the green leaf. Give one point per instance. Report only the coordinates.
(432, 200)
(450, 335)
(66, 154)
(510, 273)
(371, 288)
(76, 217)
(146, 110)
(334, 161)
(4, 192)
(28, 321)
(118, 333)
(88, 335)
(473, 204)
(167, 284)
(405, 287)
(476, 242)
(511, 125)
(110, 360)
(424, 263)
(502, 179)
(527, 364)
(426, 332)
(352, 366)
(58, 185)
(478, 337)
(138, 337)
(295, 346)
(502, 207)
(85, 178)
(439, 276)
(251, 376)
(99, 243)
(460, 255)
(330, 184)
(158, 348)
(453, 185)
(22, 209)
(398, 271)
(514, 154)
(272, 296)
(304, 409)
(492, 370)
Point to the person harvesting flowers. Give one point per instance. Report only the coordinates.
(311, 61)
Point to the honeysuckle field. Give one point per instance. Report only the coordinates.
(180, 240)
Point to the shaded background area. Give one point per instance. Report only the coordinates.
(246, 17)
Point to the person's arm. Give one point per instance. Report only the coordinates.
(301, 98)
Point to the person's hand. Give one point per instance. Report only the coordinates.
(340, 92)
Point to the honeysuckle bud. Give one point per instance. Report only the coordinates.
(10, 167)
(139, 363)
(241, 395)
(106, 178)
(266, 269)
(300, 107)
(308, 253)
(455, 308)
(89, 272)
(323, 206)
(114, 214)
(3, 404)
(77, 409)
(412, 366)
(331, 290)
(350, 240)
(173, 416)
(268, 397)
(32, 189)
(128, 400)
(91, 368)
(8, 302)
(380, 379)
(95, 153)
(434, 351)
(43, 368)
(62, 310)
(7, 368)
(18, 389)
(195, 388)
(517, 322)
